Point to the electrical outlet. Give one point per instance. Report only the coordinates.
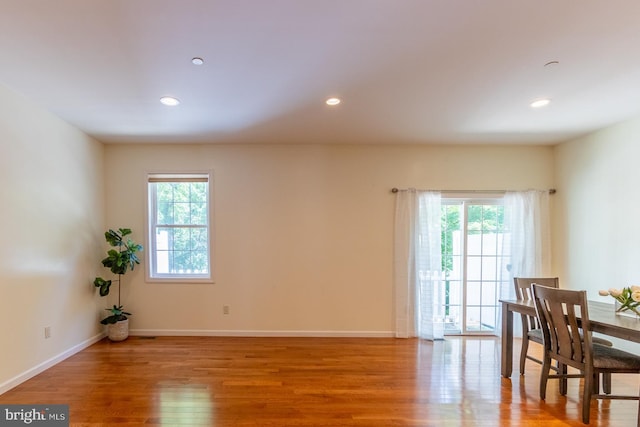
(225, 309)
(47, 332)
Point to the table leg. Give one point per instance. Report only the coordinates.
(507, 342)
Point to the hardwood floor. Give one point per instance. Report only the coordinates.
(237, 382)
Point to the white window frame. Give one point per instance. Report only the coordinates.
(151, 274)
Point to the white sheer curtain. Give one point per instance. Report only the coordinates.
(527, 237)
(417, 265)
(526, 241)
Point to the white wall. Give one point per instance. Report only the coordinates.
(597, 222)
(52, 215)
(303, 232)
(598, 210)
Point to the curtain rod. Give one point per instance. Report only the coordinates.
(395, 190)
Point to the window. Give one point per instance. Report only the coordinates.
(179, 239)
(472, 264)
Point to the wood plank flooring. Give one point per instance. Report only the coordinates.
(238, 382)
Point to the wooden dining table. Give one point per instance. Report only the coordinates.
(603, 319)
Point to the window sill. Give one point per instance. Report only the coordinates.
(180, 280)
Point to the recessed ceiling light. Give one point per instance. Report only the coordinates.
(540, 103)
(169, 101)
(333, 101)
(197, 61)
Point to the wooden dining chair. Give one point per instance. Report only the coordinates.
(530, 327)
(566, 334)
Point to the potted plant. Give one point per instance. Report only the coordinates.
(122, 258)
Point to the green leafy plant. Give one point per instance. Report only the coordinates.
(117, 314)
(122, 258)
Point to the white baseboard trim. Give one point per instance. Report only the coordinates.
(252, 333)
(19, 379)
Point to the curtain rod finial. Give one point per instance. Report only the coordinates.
(394, 190)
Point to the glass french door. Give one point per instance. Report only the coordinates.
(471, 264)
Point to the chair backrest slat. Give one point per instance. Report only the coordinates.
(564, 321)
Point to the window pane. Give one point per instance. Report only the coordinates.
(474, 219)
(451, 242)
(488, 318)
(489, 218)
(489, 268)
(489, 294)
(453, 293)
(181, 213)
(473, 318)
(180, 262)
(200, 261)
(165, 213)
(474, 268)
(162, 239)
(473, 293)
(161, 261)
(198, 191)
(489, 243)
(199, 239)
(453, 320)
(164, 191)
(181, 239)
(456, 270)
(474, 244)
(198, 213)
(181, 192)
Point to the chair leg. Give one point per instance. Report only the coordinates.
(606, 382)
(523, 353)
(544, 376)
(562, 386)
(589, 378)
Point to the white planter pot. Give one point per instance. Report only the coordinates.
(118, 331)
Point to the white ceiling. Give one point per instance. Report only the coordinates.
(408, 71)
